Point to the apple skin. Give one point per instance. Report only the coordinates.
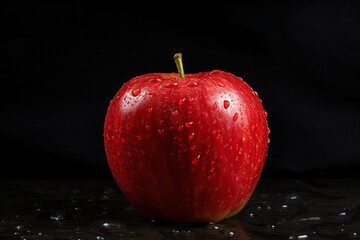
(186, 150)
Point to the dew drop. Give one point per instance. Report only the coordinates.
(196, 160)
(147, 127)
(235, 117)
(171, 84)
(138, 138)
(191, 136)
(135, 92)
(214, 106)
(155, 80)
(191, 100)
(192, 147)
(180, 128)
(220, 84)
(181, 101)
(150, 110)
(174, 113)
(192, 84)
(226, 104)
(161, 131)
(188, 124)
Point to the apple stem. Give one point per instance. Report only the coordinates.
(179, 64)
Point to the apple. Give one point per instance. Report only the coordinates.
(186, 148)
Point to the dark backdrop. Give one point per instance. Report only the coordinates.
(62, 64)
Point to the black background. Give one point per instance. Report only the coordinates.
(62, 64)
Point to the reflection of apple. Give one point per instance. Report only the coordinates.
(186, 148)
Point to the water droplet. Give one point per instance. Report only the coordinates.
(171, 84)
(196, 160)
(100, 238)
(226, 104)
(235, 117)
(135, 92)
(251, 215)
(214, 106)
(220, 84)
(150, 110)
(182, 101)
(188, 124)
(155, 80)
(265, 113)
(175, 113)
(138, 138)
(230, 234)
(180, 128)
(161, 131)
(191, 100)
(192, 147)
(304, 236)
(292, 196)
(192, 84)
(191, 136)
(147, 127)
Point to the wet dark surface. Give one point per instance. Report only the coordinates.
(280, 208)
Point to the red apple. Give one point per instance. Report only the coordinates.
(187, 149)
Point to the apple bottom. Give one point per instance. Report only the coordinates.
(213, 214)
(185, 204)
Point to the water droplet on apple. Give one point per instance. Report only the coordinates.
(174, 113)
(161, 131)
(147, 127)
(182, 101)
(192, 147)
(155, 80)
(196, 160)
(138, 137)
(192, 84)
(220, 84)
(191, 136)
(235, 117)
(135, 92)
(191, 100)
(226, 104)
(150, 110)
(180, 128)
(214, 106)
(171, 84)
(188, 124)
